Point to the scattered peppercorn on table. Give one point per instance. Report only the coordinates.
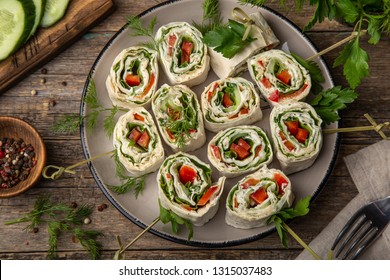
(54, 90)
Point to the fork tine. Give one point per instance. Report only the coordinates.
(350, 233)
(346, 228)
(366, 244)
(358, 238)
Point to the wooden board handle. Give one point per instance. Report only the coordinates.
(47, 43)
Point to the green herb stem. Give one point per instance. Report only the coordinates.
(300, 241)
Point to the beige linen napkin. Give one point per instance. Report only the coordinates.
(370, 171)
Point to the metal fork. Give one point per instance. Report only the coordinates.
(362, 229)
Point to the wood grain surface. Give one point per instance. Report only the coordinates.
(80, 16)
(60, 94)
(15, 128)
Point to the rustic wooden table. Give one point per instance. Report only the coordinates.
(65, 78)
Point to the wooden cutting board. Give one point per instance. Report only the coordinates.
(80, 16)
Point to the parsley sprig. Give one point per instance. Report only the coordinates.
(374, 14)
(59, 219)
(315, 73)
(300, 209)
(167, 216)
(329, 102)
(228, 39)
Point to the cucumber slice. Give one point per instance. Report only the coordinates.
(54, 11)
(39, 10)
(16, 21)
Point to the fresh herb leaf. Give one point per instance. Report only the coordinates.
(324, 9)
(137, 184)
(60, 218)
(92, 120)
(301, 209)
(347, 10)
(315, 73)
(110, 122)
(329, 102)
(282, 3)
(167, 216)
(258, 3)
(385, 17)
(68, 124)
(181, 125)
(227, 39)
(374, 30)
(54, 229)
(355, 61)
(211, 16)
(210, 9)
(120, 170)
(90, 97)
(87, 239)
(77, 216)
(135, 24)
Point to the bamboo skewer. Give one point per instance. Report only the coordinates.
(60, 170)
(123, 249)
(374, 126)
(332, 47)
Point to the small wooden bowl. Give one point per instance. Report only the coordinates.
(15, 128)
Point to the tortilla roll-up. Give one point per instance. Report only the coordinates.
(280, 78)
(137, 142)
(230, 102)
(183, 55)
(265, 39)
(257, 197)
(296, 134)
(179, 117)
(133, 77)
(239, 150)
(185, 188)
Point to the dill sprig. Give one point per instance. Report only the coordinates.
(254, 3)
(87, 239)
(60, 218)
(211, 17)
(68, 124)
(135, 24)
(182, 127)
(71, 123)
(136, 184)
(128, 183)
(120, 170)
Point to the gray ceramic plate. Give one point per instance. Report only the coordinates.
(145, 209)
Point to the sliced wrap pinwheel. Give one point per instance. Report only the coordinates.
(179, 117)
(230, 102)
(185, 188)
(256, 197)
(280, 78)
(239, 150)
(133, 77)
(183, 55)
(296, 134)
(137, 142)
(264, 39)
